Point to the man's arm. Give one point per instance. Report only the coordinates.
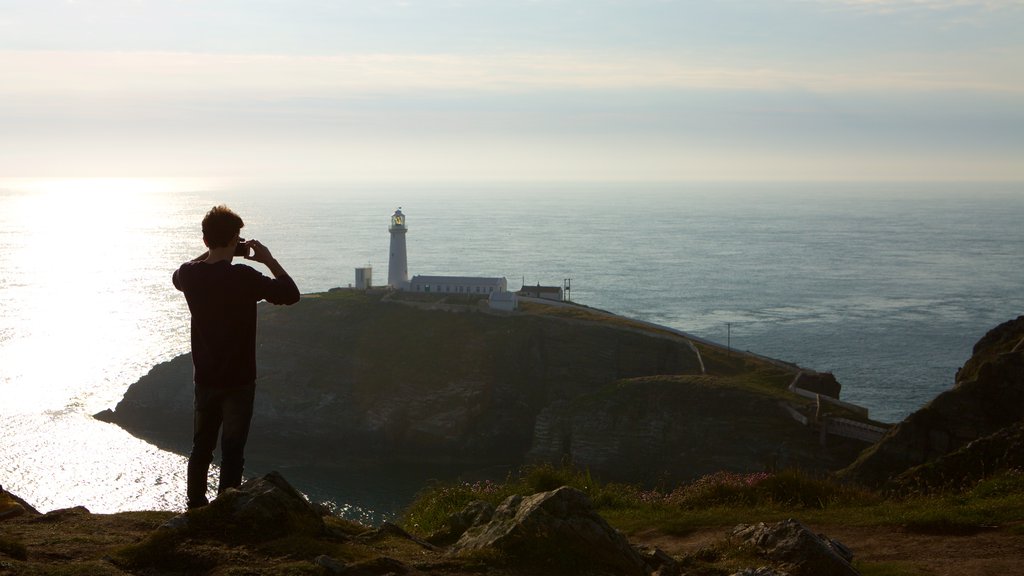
(287, 292)
(261, 254)
(174, 277)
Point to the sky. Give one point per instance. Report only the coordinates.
(510, 91)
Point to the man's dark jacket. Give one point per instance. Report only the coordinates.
(222, 298)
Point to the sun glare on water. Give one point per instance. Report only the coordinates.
(77, 254)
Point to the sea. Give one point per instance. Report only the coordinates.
(887, 285)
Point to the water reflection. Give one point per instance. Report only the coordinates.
(86, 314)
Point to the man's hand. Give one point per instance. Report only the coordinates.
(261, 254)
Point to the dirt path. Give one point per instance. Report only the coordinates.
(989, 553)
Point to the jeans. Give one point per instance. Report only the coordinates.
(230, 408)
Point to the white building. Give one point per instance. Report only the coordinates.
(503, 301)
(468, 285)
(364, 278)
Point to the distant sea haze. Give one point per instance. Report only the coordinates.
(886, 285)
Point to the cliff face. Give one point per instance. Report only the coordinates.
(651, 428)
(984, 406)
(344, 376)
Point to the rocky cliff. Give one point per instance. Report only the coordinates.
(351, 376)
(971, 429)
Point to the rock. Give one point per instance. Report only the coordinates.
(476, 513)
(9, 508)
(801, 551)
(382, 566)
(558, 525)
(179, 522)
(659, 561)
(11, 505)
(988, 397)
(389, 530)
(468, 390)
(823, 383)
(330, 564)
(54, 516)
(647, 429)
(980, 459)
(260, 509)
(376, 567)
(106, 415)
(762, 571)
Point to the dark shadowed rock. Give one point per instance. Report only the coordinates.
(558, 525)
(476, 513)
(11, 505)
(762, 571)
(264, 508)
(381, 566)
(980, 459)
(987, 398)
(659, 561)
(646, 429)
(800, 551)
(475, 389)
(824, 383)
(468, 387)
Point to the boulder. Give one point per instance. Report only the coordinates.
(476, 513)
(558, 526)
(11, 505)
(798, 550)
(261, 509)
(823, 383)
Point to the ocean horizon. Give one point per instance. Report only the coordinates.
(888, 286)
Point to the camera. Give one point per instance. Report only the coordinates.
(242, 250)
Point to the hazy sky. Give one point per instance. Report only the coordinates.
(499, 90)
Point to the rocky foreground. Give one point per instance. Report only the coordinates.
(267, 528)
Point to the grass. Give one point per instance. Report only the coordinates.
(726, 499)
(12, 548)
(720, 501)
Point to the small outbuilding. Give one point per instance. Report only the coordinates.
(503, 301)
(543, 292)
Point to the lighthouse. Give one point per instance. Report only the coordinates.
(398, 266)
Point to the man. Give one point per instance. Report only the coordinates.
(222, 298)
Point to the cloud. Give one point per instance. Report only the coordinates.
(175, 76)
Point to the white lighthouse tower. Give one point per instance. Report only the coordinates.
(398, 266)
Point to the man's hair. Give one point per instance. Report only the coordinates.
(220, 225)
